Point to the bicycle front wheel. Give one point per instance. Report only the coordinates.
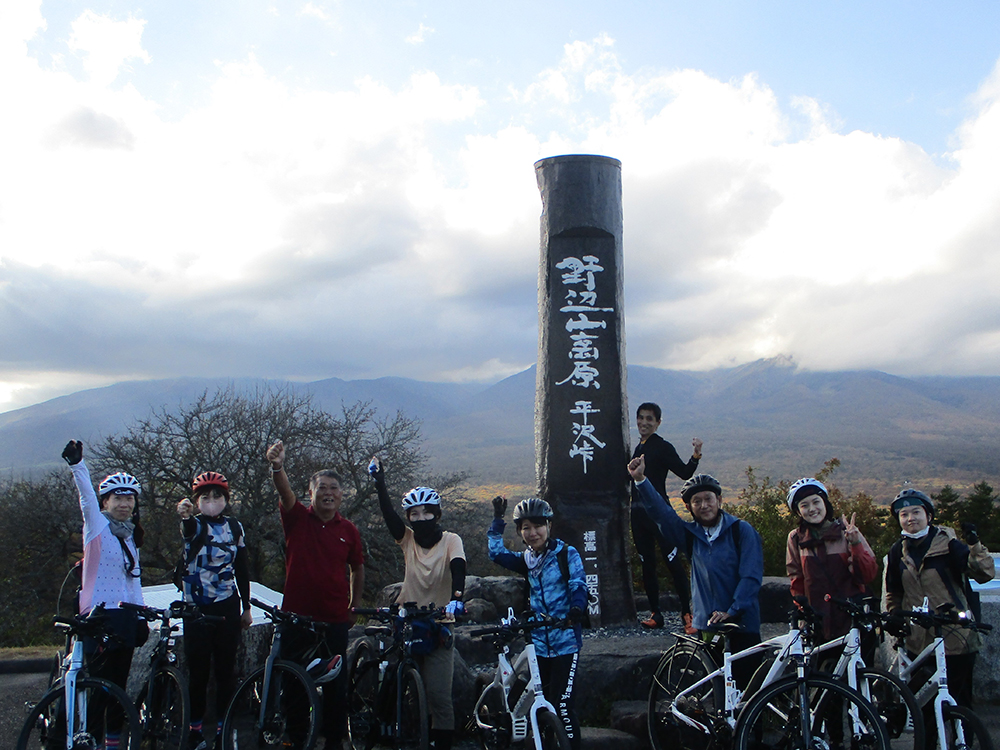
(680, 667)
(551, 732)
(282, 714)
(362, 705)
(963, 730)
(815, 713)
(897, 707)
(164, 710)
(102, 710)
(413, 722)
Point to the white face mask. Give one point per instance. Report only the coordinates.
(211, 508)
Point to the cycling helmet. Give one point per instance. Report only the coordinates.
(421, 496)
(533, 509)
(807, 487)
(700, 483)
(907, 498)
(119, 484)
(209, 479)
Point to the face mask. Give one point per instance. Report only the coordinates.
(211, 508)
(426, 533)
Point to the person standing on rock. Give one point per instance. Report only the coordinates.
(434, 562)
(320, 547)
(727, 559)
(661, 459)
(557, 588)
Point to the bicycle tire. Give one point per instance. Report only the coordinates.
(492, 712)
(45, 726)
(362, 706)
(551, 732)
(166, 722)
(291, 718)
(680, 666)
(363, 652)
(897, 707)
(976, 735)
(414, 729)
(772, 718)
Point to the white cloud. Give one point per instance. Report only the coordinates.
(420, 35)
(382, 229)
(106, 45)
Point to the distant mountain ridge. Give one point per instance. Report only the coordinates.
(783, 421)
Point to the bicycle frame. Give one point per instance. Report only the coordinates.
(530, 702)
(74, 702)
(788, 645)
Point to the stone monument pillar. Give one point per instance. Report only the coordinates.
(581, 427)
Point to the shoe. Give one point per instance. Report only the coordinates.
(654, 621)
(689, 627)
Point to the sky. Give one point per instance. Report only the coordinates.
(319, 189)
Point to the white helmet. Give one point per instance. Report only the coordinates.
(421, 496)
(120, 484)
(807, 487)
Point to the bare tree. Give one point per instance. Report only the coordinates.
(229, 431)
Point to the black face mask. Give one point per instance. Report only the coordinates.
(426, 533)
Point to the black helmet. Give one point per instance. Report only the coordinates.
(532, 509)
(700, 483)
(906, 498)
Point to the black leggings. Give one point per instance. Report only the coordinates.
(293, 644)
(558, 675)
(646, 537)
(205, 642)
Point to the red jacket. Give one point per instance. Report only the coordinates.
(829, 565)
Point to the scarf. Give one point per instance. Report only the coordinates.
(121, 529)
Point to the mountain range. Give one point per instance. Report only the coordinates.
(783, 421)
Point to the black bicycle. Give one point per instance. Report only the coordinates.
(278, 704)
(163, 705)
(387, 702)
(77, 711)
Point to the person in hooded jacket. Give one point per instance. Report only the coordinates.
(931, 561)
(727, 559)
(553, 592)
(217, 579)
(826, 555)
(434, 564)
(111, 573)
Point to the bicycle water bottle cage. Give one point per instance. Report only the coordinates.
(324, 670)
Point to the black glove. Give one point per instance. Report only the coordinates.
(499, 506)
(575, 615)
(73, 452)
(969, 533)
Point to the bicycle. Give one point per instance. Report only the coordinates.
(75, 711)
(510, 708)
(387, 700)
(278, 704)
(163, 705)
(697, 704)
(956, 727)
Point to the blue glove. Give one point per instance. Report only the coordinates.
(455, 607)
(374, 468)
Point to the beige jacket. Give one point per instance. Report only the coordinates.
(940, 580)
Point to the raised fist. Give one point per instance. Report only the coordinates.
(499, 506)
(73, 452)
